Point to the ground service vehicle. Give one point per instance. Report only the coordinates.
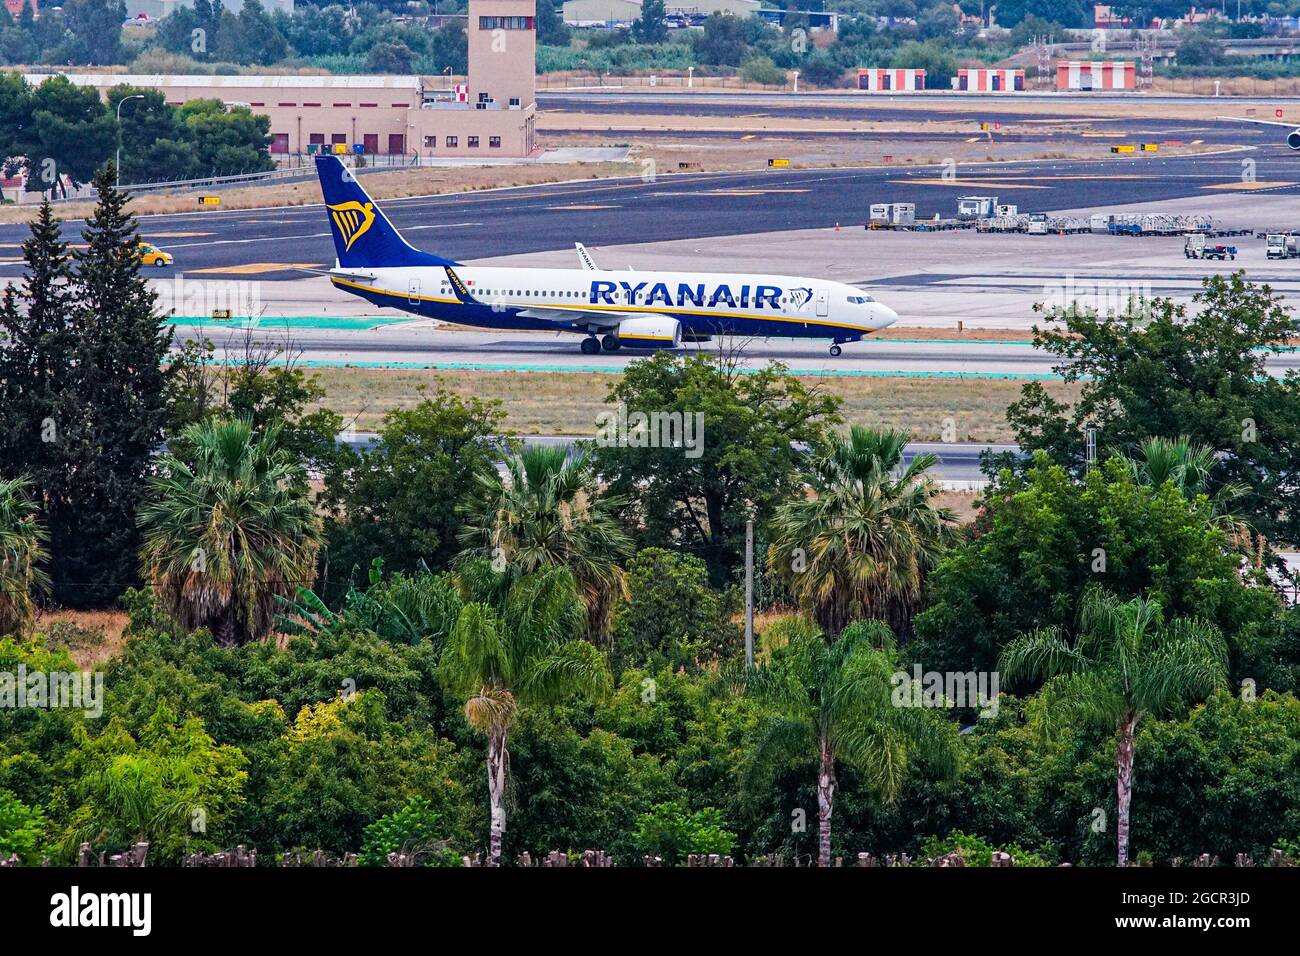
(1282, 245)
(1195, 246)
(151, 255)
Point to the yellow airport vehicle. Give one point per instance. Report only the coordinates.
(151, 255)
(209, 200)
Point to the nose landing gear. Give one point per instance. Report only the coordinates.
(836, 351)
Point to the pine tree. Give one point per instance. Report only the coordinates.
(117, 407)
(36, 364)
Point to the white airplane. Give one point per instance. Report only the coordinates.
(1292, 138)
(610, 309)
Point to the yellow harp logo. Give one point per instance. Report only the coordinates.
(352, 220)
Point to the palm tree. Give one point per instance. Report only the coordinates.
(861, 545)
(227, 529)
(834, 699)
(1188, 466)
(514, 648)
(1126, 663)
(22, 550)
(549, 514)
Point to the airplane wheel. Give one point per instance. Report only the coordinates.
(590, 346)
(835, 351)
(610, 343)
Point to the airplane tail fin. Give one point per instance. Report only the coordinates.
(363, 236)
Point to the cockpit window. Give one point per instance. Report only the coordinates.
(859, 299)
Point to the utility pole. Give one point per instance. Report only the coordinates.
(117, 162)
(749, 586)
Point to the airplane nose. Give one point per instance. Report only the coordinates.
(883, 316)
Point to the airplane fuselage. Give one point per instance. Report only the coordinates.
(574, 300)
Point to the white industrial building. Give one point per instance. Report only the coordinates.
(580, 12)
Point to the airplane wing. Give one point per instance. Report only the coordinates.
(1259, 122)
(557, 314)
(580, 316)
(584, 257)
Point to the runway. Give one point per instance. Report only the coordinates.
(418, 345)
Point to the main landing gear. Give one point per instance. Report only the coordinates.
(592, 345)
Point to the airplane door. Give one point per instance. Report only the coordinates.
(822, 303)
(413, 293)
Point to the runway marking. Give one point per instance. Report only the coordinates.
(585, 206)
(759, 191)
(968, 183)
(1258, 184)
(255, 268)
(180, 235)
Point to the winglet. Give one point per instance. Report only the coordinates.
(458, 287)
(584, 257)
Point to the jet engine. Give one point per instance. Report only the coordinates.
(650, 332)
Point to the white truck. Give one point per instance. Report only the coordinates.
(1282, 245)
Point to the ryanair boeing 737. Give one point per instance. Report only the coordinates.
(644, 310)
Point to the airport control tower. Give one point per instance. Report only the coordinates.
(502, 53)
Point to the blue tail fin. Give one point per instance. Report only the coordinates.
(363, 236)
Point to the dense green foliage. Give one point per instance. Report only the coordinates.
(56, 130)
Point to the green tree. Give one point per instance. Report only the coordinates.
(518, 651)
(650, 26)
(37, 343)
(397, 499)
(1125, 663)
(551, 28)
(22, 551)
(1044, 539)
(22, 830)
(113, 415)
(228, 530)
(862, 545)
(835, 700)
(227, 140)
(751, 424)
(415, 830)
(671, 833)
(70, 133)
(171, 786)
(672, 618)
(550, 514)
(1163, 369)
(94, 32)
(154, 144)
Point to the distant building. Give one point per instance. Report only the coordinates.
(1096, 75)
(881, 79)
(492, 113)
(581, 12)
(157, 9)
(15, 7)
(990, 81)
